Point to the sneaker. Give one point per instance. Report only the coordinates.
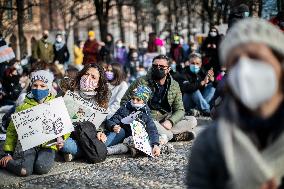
(205, 114)
(193, 112)
(68, 157)
(133, 152)
(185, 136)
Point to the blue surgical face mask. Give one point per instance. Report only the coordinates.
(40, 94)
(246, 14)
(194, 68)
(174, 67)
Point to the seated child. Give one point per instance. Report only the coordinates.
(119, 130)
(39, 159)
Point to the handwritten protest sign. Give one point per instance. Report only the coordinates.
(141, 138)
(80, 109)
(42, 123)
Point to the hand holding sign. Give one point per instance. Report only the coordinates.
(129, 119)
(42, 123)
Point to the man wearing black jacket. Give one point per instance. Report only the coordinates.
(197, 86)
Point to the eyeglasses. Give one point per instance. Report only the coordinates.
(159, 66)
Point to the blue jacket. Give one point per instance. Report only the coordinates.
(145, 116)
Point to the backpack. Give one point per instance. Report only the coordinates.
(86, 134)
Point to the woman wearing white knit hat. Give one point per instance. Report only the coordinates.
(244, 148)
(40, 159)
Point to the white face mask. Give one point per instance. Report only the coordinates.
(137, 106)
(253, 82)
(213, 34)
(59, 39)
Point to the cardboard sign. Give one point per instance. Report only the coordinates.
(2, 137)
(141, 138)
(6, 53)
(129, 119)
(81, 110)
(42, 123)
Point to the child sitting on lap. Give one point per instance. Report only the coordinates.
(119, 129)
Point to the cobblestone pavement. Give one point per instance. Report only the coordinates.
(167, 171)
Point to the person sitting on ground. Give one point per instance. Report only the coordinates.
(117, 86)
(197, 86)
(166, 102)
(244, 147)
(138, 104)
(92, 86)
(40, 159)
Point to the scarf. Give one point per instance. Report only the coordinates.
(58, 45)
(247, 166)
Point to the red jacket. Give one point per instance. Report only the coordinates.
(91, 51)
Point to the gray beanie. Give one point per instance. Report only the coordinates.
(44, 76)
(252, 30)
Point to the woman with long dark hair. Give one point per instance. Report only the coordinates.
(91, 85)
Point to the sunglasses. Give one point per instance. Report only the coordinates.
(159, 66)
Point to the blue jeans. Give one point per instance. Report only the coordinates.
(198, 99)
(115, 138)
(71, 146)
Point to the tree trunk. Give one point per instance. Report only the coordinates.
(169, 19)
(120, 20)
(281, 5)
(225, 11)
(188, 6)
(20, 20)
(260, 4)
(50, 15)
(102, 9)
(136, 13)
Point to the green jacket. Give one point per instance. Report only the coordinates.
(12, 136)
(43, 50)
(174, 98)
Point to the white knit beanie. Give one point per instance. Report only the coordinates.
(252, 30)
(44, 76)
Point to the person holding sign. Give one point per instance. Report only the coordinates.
(135, 109)
(166, 102)
(39, 159)
(92, 86)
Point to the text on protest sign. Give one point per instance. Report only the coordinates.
(42, 123)
(141, 138)
(82, 110)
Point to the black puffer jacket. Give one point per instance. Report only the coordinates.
(145, 116)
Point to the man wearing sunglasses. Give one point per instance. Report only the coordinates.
(166, 101)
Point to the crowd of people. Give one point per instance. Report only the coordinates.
(236, 79)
